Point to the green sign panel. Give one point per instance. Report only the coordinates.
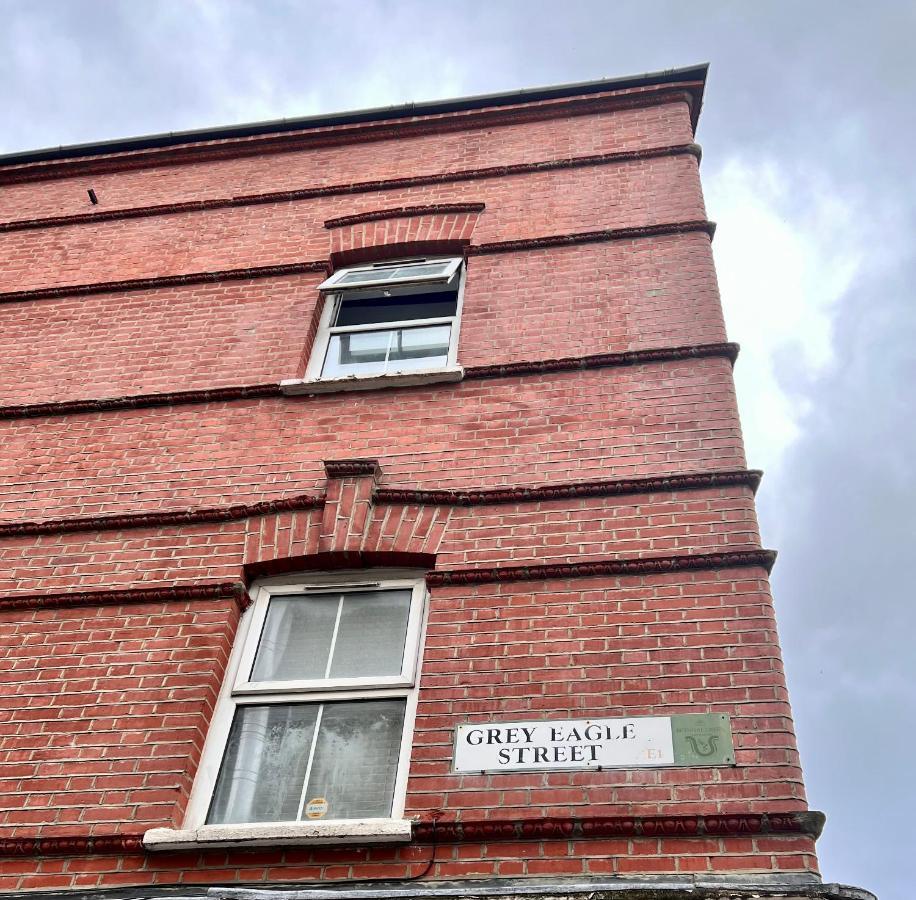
(702, 740)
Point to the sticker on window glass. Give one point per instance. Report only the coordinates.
(316, 808)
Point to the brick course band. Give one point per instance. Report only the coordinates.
(605, 360)
(267, 391)
(613, 488)
(360, 187)
(593, 237)
(790, 824)
(140, 401)
(322, 265)
(76, 844)
(793, 823)
(336, 135)
(651, 565)
(177, 517)
(352, 468)
(405, 212)
(145, 284)
(618, 487)
(125, 596)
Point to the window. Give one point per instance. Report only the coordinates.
(315, 719)
(389, 319)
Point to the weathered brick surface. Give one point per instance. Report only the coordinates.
(106, 706)
(651, 645)
(599, 528)
(474, 148)
(105, 711)
(519, 207)
(572, 301)
(643, 420)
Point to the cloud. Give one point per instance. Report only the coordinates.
(786, 250)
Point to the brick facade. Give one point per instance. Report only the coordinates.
(579, 500)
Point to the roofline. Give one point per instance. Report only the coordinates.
(377, 114)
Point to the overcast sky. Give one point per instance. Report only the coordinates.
(808, 133)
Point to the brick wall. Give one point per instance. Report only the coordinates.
(589, 529)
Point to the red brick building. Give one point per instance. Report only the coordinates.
(374, 509)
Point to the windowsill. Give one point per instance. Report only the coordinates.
(332, 831)
(370, 382)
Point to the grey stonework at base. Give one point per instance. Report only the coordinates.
(663, 887)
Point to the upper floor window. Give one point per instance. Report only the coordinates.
(392, 318)
(315, 720)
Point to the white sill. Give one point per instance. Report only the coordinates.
(370, 382)
(331, 831)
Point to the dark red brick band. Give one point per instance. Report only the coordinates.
(644, 565)
(791, 823)
(267, 391)
(683, 826)
(124, 596)
(353, 468)
(362, 187)
(322, 265)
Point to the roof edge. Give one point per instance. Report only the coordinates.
(376, 114)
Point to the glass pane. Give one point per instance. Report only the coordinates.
(363, 353)
(264, 765)
(421, 271)
(401, 308)
(356, 758)
(402, 272)
(366, 275)
(371, 635)
(296, 638)
(419, 348)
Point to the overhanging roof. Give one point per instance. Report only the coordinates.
(379, 114)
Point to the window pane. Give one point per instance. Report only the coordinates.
(421, 271)
(401, 308)
(264, 765)
(356, 758)
(363, 353)
(366, 275)
(397, 272)
(296, 639)
(371, 635)
(419, 348)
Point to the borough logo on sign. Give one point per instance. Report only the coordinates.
(689, 740)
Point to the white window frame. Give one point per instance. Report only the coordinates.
(238, 691)
(334, 295)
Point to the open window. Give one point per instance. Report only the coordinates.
(389, 319)
(315, 720)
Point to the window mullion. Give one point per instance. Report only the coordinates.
(308, 765)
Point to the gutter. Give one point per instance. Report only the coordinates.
(377, 114)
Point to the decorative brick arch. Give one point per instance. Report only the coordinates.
(445, 228)
(349, 530)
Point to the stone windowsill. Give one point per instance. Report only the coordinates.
(370, 383)
(332, 831)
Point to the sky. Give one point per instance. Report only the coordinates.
(808, 131)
